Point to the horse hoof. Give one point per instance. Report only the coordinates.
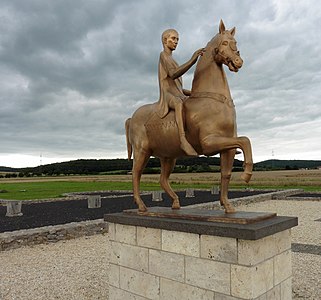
(142, 208)
(246, 177)
(176, 206)
(230, 210)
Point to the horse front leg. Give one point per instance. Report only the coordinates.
(140, 160)
(167, 166)
(227, 160)
(215, 144)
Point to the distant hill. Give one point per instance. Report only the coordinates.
(94, 166)
(183, 165)
(7, 169)
(123, 166)
(272, 164)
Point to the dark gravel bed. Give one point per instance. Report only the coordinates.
(61, 212)
(307, 195)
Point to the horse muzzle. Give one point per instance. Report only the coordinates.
(235, 64)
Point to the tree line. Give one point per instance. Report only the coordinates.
(124, 166)
(119, 166)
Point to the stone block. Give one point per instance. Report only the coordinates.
(94, 201)
(125, 234)
(286, 289)
(282, 241)
(215, 190)
(157, 196)
(113, 275)
(189, 193)
(181, 242)
(118, 294)
(14, 209)
(219, 296)
(149, 237)
(139, 283)
(114, 253)
(249, 282)
(274, 294)
(251, 253)
(172, 290)
(219, 248)
(282, 267)
(129, 256)
(166, 264)
(208, 274)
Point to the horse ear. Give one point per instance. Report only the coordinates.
(221, 27)
(232, 31)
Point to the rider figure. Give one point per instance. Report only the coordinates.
(172, 93)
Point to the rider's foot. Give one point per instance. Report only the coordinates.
(187, 148)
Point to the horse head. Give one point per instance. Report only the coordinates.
(225, 49)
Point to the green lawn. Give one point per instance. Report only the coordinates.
(54, 189)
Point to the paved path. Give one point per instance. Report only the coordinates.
(77, 269)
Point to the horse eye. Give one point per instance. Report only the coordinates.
(225, 43)
(233, 46)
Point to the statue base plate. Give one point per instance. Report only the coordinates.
(240, 217)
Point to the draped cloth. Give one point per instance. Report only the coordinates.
(168, 87)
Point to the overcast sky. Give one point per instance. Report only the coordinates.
(72, 72)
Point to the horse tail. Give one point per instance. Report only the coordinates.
(129, 145)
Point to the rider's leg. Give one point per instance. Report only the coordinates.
(177, 105)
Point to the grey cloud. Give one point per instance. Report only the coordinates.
(71, 72)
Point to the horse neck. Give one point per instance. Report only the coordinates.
(209, 76)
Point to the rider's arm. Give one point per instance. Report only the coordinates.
(174, 73)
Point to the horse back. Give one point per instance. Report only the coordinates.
(158, 136)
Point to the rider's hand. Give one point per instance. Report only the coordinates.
(197, 53)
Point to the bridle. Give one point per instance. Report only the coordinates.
(233, 47)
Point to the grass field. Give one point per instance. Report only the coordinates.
(51, 187)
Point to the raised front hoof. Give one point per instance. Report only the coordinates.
(246, 177)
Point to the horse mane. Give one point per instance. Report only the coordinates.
(213, 42)
(207, 56)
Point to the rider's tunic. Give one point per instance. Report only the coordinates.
(168, 87)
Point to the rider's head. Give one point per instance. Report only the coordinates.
(170, 38)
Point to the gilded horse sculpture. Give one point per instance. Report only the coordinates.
(210, 123)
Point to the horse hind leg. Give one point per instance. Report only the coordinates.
(140, 160)
(167, 166)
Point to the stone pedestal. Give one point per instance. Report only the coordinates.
(14, 209)
(94, 201)
(166, 258)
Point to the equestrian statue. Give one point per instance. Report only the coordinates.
(190, 123)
